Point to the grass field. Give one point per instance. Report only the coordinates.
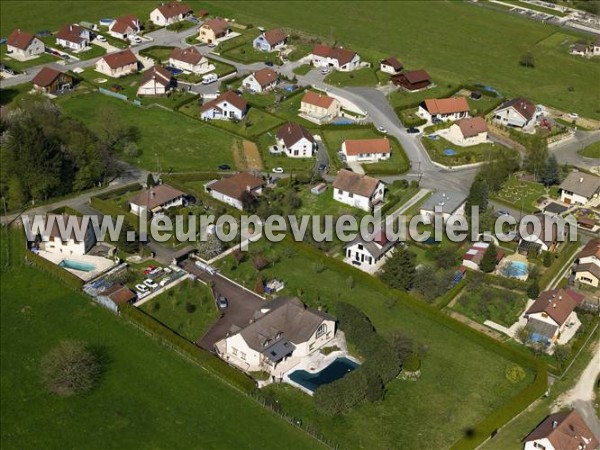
(144, 388)
(464, 155)
(181, 143)
(361, 77)
(461, 383)
(482, 303)
(520, 194)
(592, 150)
(20, 66)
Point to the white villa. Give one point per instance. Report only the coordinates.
(367, 150)
(156, 199)
(190, 60)
(319, 108)
(518, 113)
(562, 431)
(22, 45)
(296, 141)
(169, 13)
(335, 57)
(124, 27)
(73, 37)
(365, 254)
(444, 109)
(467, 132)
(227, 106)
(359, 191)
(586, 269)
(262, 80)
(118, 64)
(155, 81)
(579, 188)
(53, 242)
(231, 190)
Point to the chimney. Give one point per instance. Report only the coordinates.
(554, 424)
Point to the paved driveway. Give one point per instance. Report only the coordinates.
(242, 305)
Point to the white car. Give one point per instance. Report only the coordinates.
(151, 284)
(141, 287)
(382, 130)
(210, 78)
(573, 115)
(135, 39)
(212, 45)
(164, 281)
(324, 71)
(100, 38)
(277, 170)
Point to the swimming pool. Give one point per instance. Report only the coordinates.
(515, 269)
(77, 265)
(339, 368)
(449, 152)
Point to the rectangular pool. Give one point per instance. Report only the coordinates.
(339, 368)
(77, 265)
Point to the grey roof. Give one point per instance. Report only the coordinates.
(376, 247)
(555, 208)
(581, 183)
(449, 202)
(542, 328)
(279, 350)
(588, 267)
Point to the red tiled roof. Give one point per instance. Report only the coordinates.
(393, 62)
(120, 59)
(71, 33)
(565, 431)
(322, 101)
(119, 294)
(188, 55)
(521, 105)
(342, 55)
(416, 76)
(558, 304)
(265, 76)
(173, 9)
(159, 74)
(228, 96)
(219, 26)
(121, 24)
(358, 146)
(156, 196)
(472, 127)
(275, 36)
(45, 77)
(446, 105)
(19, 39)
(592, 248)
(235, 185)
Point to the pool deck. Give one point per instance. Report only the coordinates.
(515, 257)
(101, 264)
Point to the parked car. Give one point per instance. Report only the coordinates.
(435, 120)
(412, 130)
(325, 71)
(141, 287)
(381, 130)
(210, 78)
(277, 170)
(135, 39)
(222, 302)
(224, 167)
(151, 284)
(212, 45)
(573, 115)
(149, 269)
(100, 38)
(164, 281)
(322, 167)
(268, 63)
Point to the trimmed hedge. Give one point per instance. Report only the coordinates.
(209, 362)
(564, 255)
(56, 271)
(444, 300)
(190, 176)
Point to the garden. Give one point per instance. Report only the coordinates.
(449, 154)
(520, 195)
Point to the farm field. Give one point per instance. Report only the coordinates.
(144, 387)
(462, 381)
(182, 144)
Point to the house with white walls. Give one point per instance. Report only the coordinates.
(69, 243)
(443, 204)
(359, 191)
(367, 150)
(232, 190)
(296, 141)
(579, 188)
(156, 199)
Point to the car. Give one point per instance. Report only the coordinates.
(501, 213)
(382, 130)
(149, 269)
(224, 167)
(222, 302)
(573, 115)
(324, 71)
(100, 38)
(268, 64)
(412, 130)
(151, 284)
(277, 170)
(141, 287)
(212, 45)
(322, 167)
(135, 39)
(210, 78)
(164, 281)
(435, 120)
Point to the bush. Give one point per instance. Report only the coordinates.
(190, 307)
(515, 373)
(412, 363)
(341, 395)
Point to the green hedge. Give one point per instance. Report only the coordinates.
(445, 299)
(208, 361)
(63, 275)
(66, 210)
(563, 256)
(191, 176)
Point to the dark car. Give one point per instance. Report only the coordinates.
(222, 302)
(269, 63)
(412, 130)
(224, 167)
(322, 167)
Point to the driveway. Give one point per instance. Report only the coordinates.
(242, 305)
(322, 155)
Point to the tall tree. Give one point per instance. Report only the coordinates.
(551, 172)
(478, 195)
(536, 157)
(488, 262)
(399, 270)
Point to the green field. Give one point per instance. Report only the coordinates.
(592, 150)
(361, 77)
(181, 143)
(148, 396)
(19, 66)
(464, 155)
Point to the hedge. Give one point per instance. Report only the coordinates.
(191, 176)
(66, 210)
(564, 255)
(209, 362)
(444, 300)
(53, 269)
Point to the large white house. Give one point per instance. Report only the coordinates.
(335, 57)
(365, 254)
(562, 431)
(579, 188)
(518, 113)
(319, 108)
(586, 269)
(282, 331)
(296, 141)
(360, 191)
(271, 40)
(66, 244)
(227, 106)
(367, 150)
(73, 37)
(233, 189)
(156, 81)
(156, 199)
(169, 13)
(444, 205)
(468, 132)
(124, 27)
(189, 59)
(262, 80)
(118, 64)
(22, 45)
(444, 109)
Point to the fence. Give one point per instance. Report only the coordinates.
(113, 94)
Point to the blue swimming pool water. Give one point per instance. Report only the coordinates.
(76, 265)
(515, 269)
(334, 371)
(449, 152)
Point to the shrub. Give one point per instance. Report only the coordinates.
(190, 307)
(341, 395)
(515, 373)
(412, 363)
(375, 388)
(259, 261)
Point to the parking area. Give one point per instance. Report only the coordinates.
(242, 304)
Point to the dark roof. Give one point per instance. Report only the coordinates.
(342, 55)
(291, 133)
(555, 208)
(63, 219)
(541, 328)
(156, 196)
(120, 59)
(416, 76)
(357, 184)
(581, 183)
(157, 73)
(275, 36)
(189, 55)
(229, 96)
(19, 39)
(472, 127)
(173, 9)
(565, 431)
(592, 248)
(46, 76)
(235, 185)
(547, 237)
(590, 267)
(71, 33)
(520, 104)
(392, 61)
(279, 350)
(119, 294)
(557, 303)
(265, 76)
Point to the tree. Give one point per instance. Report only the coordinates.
(536, 157)
(150, 181)
(249, 201)
(478, 195)
(432, 283)
(126, 244)
(70, 368)
(445, 257)
(548, 259)
(489, 261)
(551, 172)
(399, 270)
(527, 60)
(259, 261)
(533, 289)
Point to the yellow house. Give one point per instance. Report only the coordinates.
(213, 29)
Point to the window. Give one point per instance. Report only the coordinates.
(311, 346)
(234, 351)
(360, 246)
(321, 330)
(350, 194)
(243, 356)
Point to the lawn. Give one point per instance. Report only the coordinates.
(591, 151)
(177, 142)
(157, 53)
(481, 303)
(324, 204)
(280, 160)
(144, 387)
(362, 77)
(463, 155)
(520, 195)
(461, 382)
(303, 69)
(247, 54)
(188, 309)
(20, 66)
(401, 99)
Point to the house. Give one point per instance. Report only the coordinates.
(552, 313)
(580, 49)
(562, 431)
(156, 81)
(413, 80)
(169, 13)
(468, 132)
(189, 59)
(334, 57)
(51, 81)
(118, 64)
(213, 29)
(226, 106)
(233, 189)
(296, 141)
(319, 108)
(22, 45)
(73, 37)
(281, 330)
(474, 255)
(271, 40)
(444, 205)
(67, 244)
(444, 109)
(595, 49)
(586, 268)
(202, 13)
(579, 188)
(391, 65)
(156, 199)
(518, 112)
(124, 27)
(367, 253)
(115, 297)
(367, 150)
(261, 81)
(358, 191)
(544, 239)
